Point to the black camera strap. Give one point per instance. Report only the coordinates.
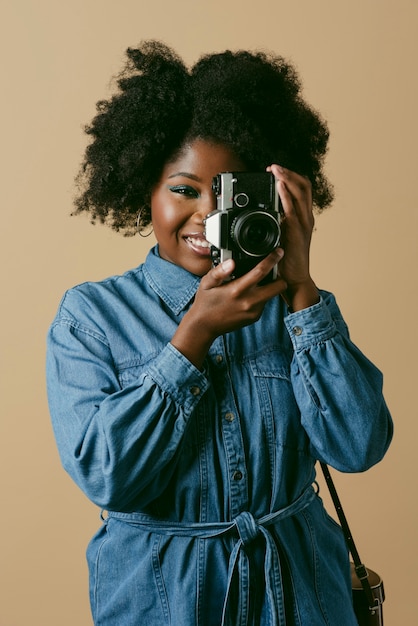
(359, 567)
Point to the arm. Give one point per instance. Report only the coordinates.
(338, 390)
(223, 307)
(298, 221)
(118, 445)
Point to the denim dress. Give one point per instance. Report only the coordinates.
(207, 477)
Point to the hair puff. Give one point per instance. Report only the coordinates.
(250, 101)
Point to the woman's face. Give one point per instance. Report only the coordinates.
(183, 197)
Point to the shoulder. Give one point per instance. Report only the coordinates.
(91, 300)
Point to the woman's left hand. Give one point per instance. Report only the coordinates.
(295, 192)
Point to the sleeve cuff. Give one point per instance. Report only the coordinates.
(177, 377)
(310, 326)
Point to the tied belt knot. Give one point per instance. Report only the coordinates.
(248, 528)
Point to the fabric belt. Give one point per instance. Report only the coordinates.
(248, 529)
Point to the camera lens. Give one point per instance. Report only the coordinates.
(256, 233)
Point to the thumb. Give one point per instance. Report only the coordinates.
(219, 274)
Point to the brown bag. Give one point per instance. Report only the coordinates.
(367, 586)
(367, 616)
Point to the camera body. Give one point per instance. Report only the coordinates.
(245, 226)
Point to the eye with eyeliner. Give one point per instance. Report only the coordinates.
(185, 190)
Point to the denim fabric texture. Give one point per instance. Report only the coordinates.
(206, 476)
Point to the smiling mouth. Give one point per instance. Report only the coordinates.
(198, 243)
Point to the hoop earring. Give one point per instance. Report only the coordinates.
(139, 225)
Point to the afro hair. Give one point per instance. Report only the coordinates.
(249, 101)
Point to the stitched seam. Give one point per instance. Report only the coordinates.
(63, 321)
(158, 575)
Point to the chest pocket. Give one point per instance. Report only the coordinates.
(271, 364)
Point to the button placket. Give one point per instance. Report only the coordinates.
(231, 430)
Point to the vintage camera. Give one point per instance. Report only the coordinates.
(246, 224)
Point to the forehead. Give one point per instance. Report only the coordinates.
(204, 159)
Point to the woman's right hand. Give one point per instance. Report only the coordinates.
(223, 305)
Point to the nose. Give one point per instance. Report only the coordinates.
(207, 204)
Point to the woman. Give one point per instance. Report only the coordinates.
(192, 407)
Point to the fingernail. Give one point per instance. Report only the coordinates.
(279, 168)
(227, 265)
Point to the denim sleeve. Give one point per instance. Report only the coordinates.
(100, 427)
(338, 390)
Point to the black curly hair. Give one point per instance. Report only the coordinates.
(249, 101)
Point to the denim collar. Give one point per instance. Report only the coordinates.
(172, 283)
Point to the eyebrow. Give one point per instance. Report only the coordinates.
(186, 175)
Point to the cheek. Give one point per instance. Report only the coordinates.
(167, 214)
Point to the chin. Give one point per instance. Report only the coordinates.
(198, 269)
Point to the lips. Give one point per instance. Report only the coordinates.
(198, 243)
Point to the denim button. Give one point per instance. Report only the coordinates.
(219, 358)
(229, 417)
(297, 330)
(195, 391)
(237, 475)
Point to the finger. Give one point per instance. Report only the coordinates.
(295, 193)
(261, 270)
(298, 181)
(218, 275)
(299, 186)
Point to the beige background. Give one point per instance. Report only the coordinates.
(358, 60)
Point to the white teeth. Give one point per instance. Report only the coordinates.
(201, 243)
